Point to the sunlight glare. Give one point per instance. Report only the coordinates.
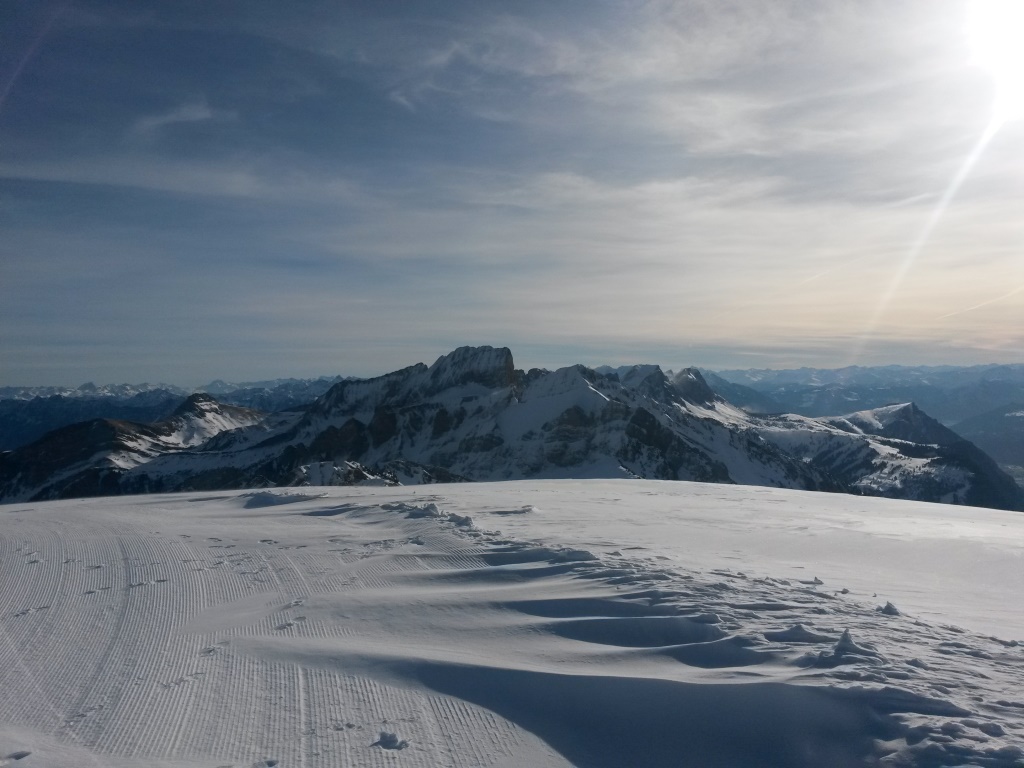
(996, 30)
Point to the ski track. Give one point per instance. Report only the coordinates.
(201, 634)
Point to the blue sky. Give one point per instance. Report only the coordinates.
(243, 190)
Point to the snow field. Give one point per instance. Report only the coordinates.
(613, 623)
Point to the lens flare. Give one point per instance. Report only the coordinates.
(996, 32)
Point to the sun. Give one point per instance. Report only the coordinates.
(996, 30)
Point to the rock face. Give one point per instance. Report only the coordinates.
(472, 416)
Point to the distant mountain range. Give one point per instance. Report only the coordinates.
(999, 432)
(28, 413)
(217, 387)
(473, 416)
(980, 403)
(950, 394)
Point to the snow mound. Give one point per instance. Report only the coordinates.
(276, 498)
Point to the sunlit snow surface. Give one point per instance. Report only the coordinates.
(608, 624)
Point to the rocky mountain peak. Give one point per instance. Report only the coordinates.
(491, 367)
(694, 389)
(196, 404)
(648, 380)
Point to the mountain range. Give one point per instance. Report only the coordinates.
(472, 415)
(981, 403)
(28, 413)
(948, 393)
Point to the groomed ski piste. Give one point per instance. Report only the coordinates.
(600, 624)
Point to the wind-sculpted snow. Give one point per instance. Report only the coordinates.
(608, 624)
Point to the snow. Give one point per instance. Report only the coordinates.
(608, 624)
(850, 439)
(191, 431)
(874, 420)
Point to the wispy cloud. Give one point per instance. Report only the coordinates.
(986, 303)
(340, 188)
(188, 112)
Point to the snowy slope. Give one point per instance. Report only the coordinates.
(608, 624)
(896, 451)
(201, 417)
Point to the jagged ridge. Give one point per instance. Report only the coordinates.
(472, 415)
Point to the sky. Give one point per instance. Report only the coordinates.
(205, 189)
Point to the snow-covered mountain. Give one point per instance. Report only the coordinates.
(90, 458)
(473, 416)
(201, 417)
(896, 451)
(87, 390)
(28, 413)
(23, 421)
(269, 396)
